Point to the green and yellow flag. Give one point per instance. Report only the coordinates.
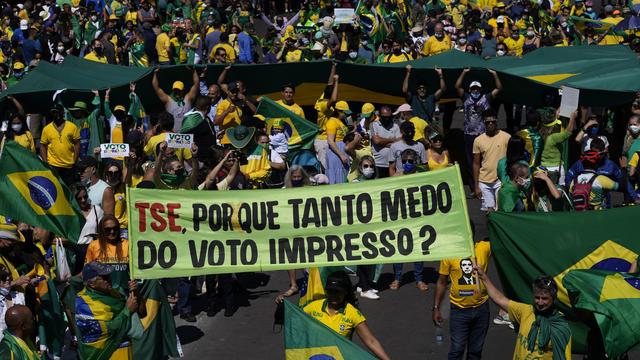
(30, 192)
(301, 132)
(614, 300)
(306, 338)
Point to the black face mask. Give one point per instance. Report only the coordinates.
(408, 136)
(386, 120)
(99, 51)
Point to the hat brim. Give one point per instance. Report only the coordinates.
(366, 114)
(77, 109)
(240, 143)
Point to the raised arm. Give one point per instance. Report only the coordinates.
(334, 91)
(459, 87)
(405, 82)
(495, 91)
(193, 92)
(495, 294)
(156, 87)
(222, 77)
(17, 104)
(443, 85)
(572, 121)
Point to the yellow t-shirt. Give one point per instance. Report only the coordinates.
(397, 58)
(120, 209)
(131, 16)
(93, 57)
(492, 149)
(231, 52)
(419, 124)
(293, 56)
(433, 46)
(463, 283)
(516, 45)
(523, 314)
(232, 119)
(634, 160)
(26, 141)
(323, 115)
(162, 45)
(294, 108)
(60, 145)
(150, 147)
(343, 322)
(337, 128)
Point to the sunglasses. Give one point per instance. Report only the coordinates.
(113, 172)
(111, 229)
(367, 166)
(408, 161)
(490, 122)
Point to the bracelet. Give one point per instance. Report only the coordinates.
(435, 307)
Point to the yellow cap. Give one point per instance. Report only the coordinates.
(119, 107)
(18, 65)
(367, 109)
(178, 85)
(500, 5)
(342, 106)
(113, 17)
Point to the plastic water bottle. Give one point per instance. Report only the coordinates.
(439, 335)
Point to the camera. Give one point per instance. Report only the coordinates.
(241, 157)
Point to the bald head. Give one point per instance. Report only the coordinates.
(19, 320)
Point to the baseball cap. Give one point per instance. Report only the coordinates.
(94, 269)
(475, 84)
(178, 85)
(616, 12)
(403, 108)
(343, 106)
(121, 107)
(18, 65)
(24, 24)
(367, 109)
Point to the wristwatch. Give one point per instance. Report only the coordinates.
(435, 307)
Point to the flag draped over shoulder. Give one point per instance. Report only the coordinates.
(301, 132)
(191, 120)
(561, 242)
(614, 300)
(51, 324)
(306, 338)
(30, 192)
(313, 285)
(159, 338)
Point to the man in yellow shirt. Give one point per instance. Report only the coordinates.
(514, 42)
(224, 44)
(163, 44)
(438, 43)
(288, 92)
(469, 306)
(97, 52)
(397, 55)
(60, 144)
(535, 320)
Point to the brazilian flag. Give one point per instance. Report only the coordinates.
(301, 132)
(614, 300)
(527, 245)
(30, 192)
(306, 338)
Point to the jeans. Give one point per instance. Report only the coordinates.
(184, 295)
(468, 329)
(417, 271)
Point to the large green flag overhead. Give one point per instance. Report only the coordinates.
(561, 242)
(306, 338)
(614, 300)
(301, 132)
(30, 192)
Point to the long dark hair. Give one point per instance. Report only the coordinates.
(515, 150)
(102, 238)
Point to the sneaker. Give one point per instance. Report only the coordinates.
(188, 317)
(369, 294)
(500, 320)
(359, 290)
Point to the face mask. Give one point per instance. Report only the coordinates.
(408, 136)
(593, 132)
(4, 292)
(589, 9)
(94, 18)
(86, 182)
(530, 34)
(475, 94)
(16, 127)
(408, 167)
(18, 74)
(297, 183)
(462, 41)
(564, 24)
(386, 119)
(353, 54)
(500, 52)
(439, 35)
(634, 129)
(174, 179)
(524, 183)
(368, 172)
(365, 42)
(61, 49)
(397, 51)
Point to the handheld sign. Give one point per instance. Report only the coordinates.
(179, 141)
(569, 101)
(113, 150)
(344, 15)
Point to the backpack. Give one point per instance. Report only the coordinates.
(581, 193)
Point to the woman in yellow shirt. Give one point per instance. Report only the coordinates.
(337, 158)
(19, 132)
(437, 155)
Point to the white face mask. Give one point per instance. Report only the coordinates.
(61, 49)
(500, 52)
(462, 41)
(94, 18)
(530, 34)
(634, 129)
(353, 54)
(16, 127)
(368, 172)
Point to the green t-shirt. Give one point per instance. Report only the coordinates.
(552, 151)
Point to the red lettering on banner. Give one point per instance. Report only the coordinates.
(142, 216)
(172, 217)
(160, 223)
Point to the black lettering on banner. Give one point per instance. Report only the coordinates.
(272, 251)
(233, 246)
(198, 260)
(248, 246)
(364, 208)
(391, 207)
(334, 246)
(444, 197)
(199, 214)
(349, 206)
(173, 254)
(272, 215)
(350, 247)
(405, 242)
(368, 239)
(215, 217)
(244, 218)
(291, 254)
(153, 258)
(312, 250)
(227, 215)
(259, 218)
(311, 206)
(295, 203)
(427, 230)
(412, 202)
(211, 253)
(429, 200)
(388, 250)
(331, 209)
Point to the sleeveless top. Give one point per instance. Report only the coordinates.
(434, 165)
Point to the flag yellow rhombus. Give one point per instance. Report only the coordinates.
(616, 287)
(320, 353)
(42, 191)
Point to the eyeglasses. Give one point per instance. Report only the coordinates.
(408, 161)
(109, 230)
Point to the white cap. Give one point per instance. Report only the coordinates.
(475, 84)
(402, 108)
(24, 24)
